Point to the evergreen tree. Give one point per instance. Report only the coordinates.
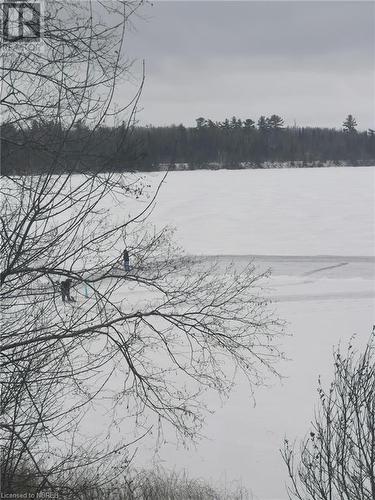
(200, 122)
(225, 123)
(263, 124)
(147, 147)
(234, 123)
(249, 123)
(275, 122)
(350, 124)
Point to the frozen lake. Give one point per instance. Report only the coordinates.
(299, 212)
(325, 302)
(315, 229)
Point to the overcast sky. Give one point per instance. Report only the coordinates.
(310, 62)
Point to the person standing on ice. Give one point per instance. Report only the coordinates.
(65, 290)
(125, 256)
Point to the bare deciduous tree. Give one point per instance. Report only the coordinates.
(153, 339)
(337, 459)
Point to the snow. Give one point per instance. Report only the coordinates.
(310, 211)
(315, 229)
(242, 441)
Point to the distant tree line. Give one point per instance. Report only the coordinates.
(232, 143)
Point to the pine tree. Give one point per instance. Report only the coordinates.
(234, 123)
(249, 123)
(225, 123)
(201, 122)
(275, 122)
(263, 124)
(350, 124)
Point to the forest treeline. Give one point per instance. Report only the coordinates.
(233, 143)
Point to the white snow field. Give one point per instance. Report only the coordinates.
(242, 441)
(315, 229)
(312, 211)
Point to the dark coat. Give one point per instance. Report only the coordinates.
(65, 290)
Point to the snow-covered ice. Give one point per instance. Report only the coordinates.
(315, 229)
(242, 440)
(309, 211)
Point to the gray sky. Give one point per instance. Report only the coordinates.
(310, 62)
